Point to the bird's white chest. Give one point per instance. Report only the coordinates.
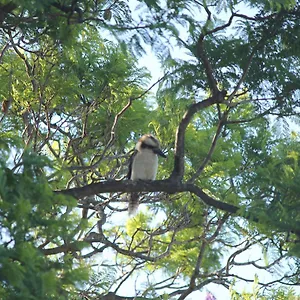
(144, 165)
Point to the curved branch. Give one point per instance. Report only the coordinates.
(168, 186)
(178, 170)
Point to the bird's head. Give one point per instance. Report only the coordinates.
(148, 141)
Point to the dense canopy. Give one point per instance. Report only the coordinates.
(224, 210)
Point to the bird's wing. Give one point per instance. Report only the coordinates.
(130, 163)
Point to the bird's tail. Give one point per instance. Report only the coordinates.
(133, 203)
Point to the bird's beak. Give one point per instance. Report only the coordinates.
(159, 152)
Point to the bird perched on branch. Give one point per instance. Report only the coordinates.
(143, 165)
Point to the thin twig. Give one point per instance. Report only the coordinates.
(116, 119)
(212, 148)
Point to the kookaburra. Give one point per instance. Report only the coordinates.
(143, 165)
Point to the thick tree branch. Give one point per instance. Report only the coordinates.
(126, 186)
